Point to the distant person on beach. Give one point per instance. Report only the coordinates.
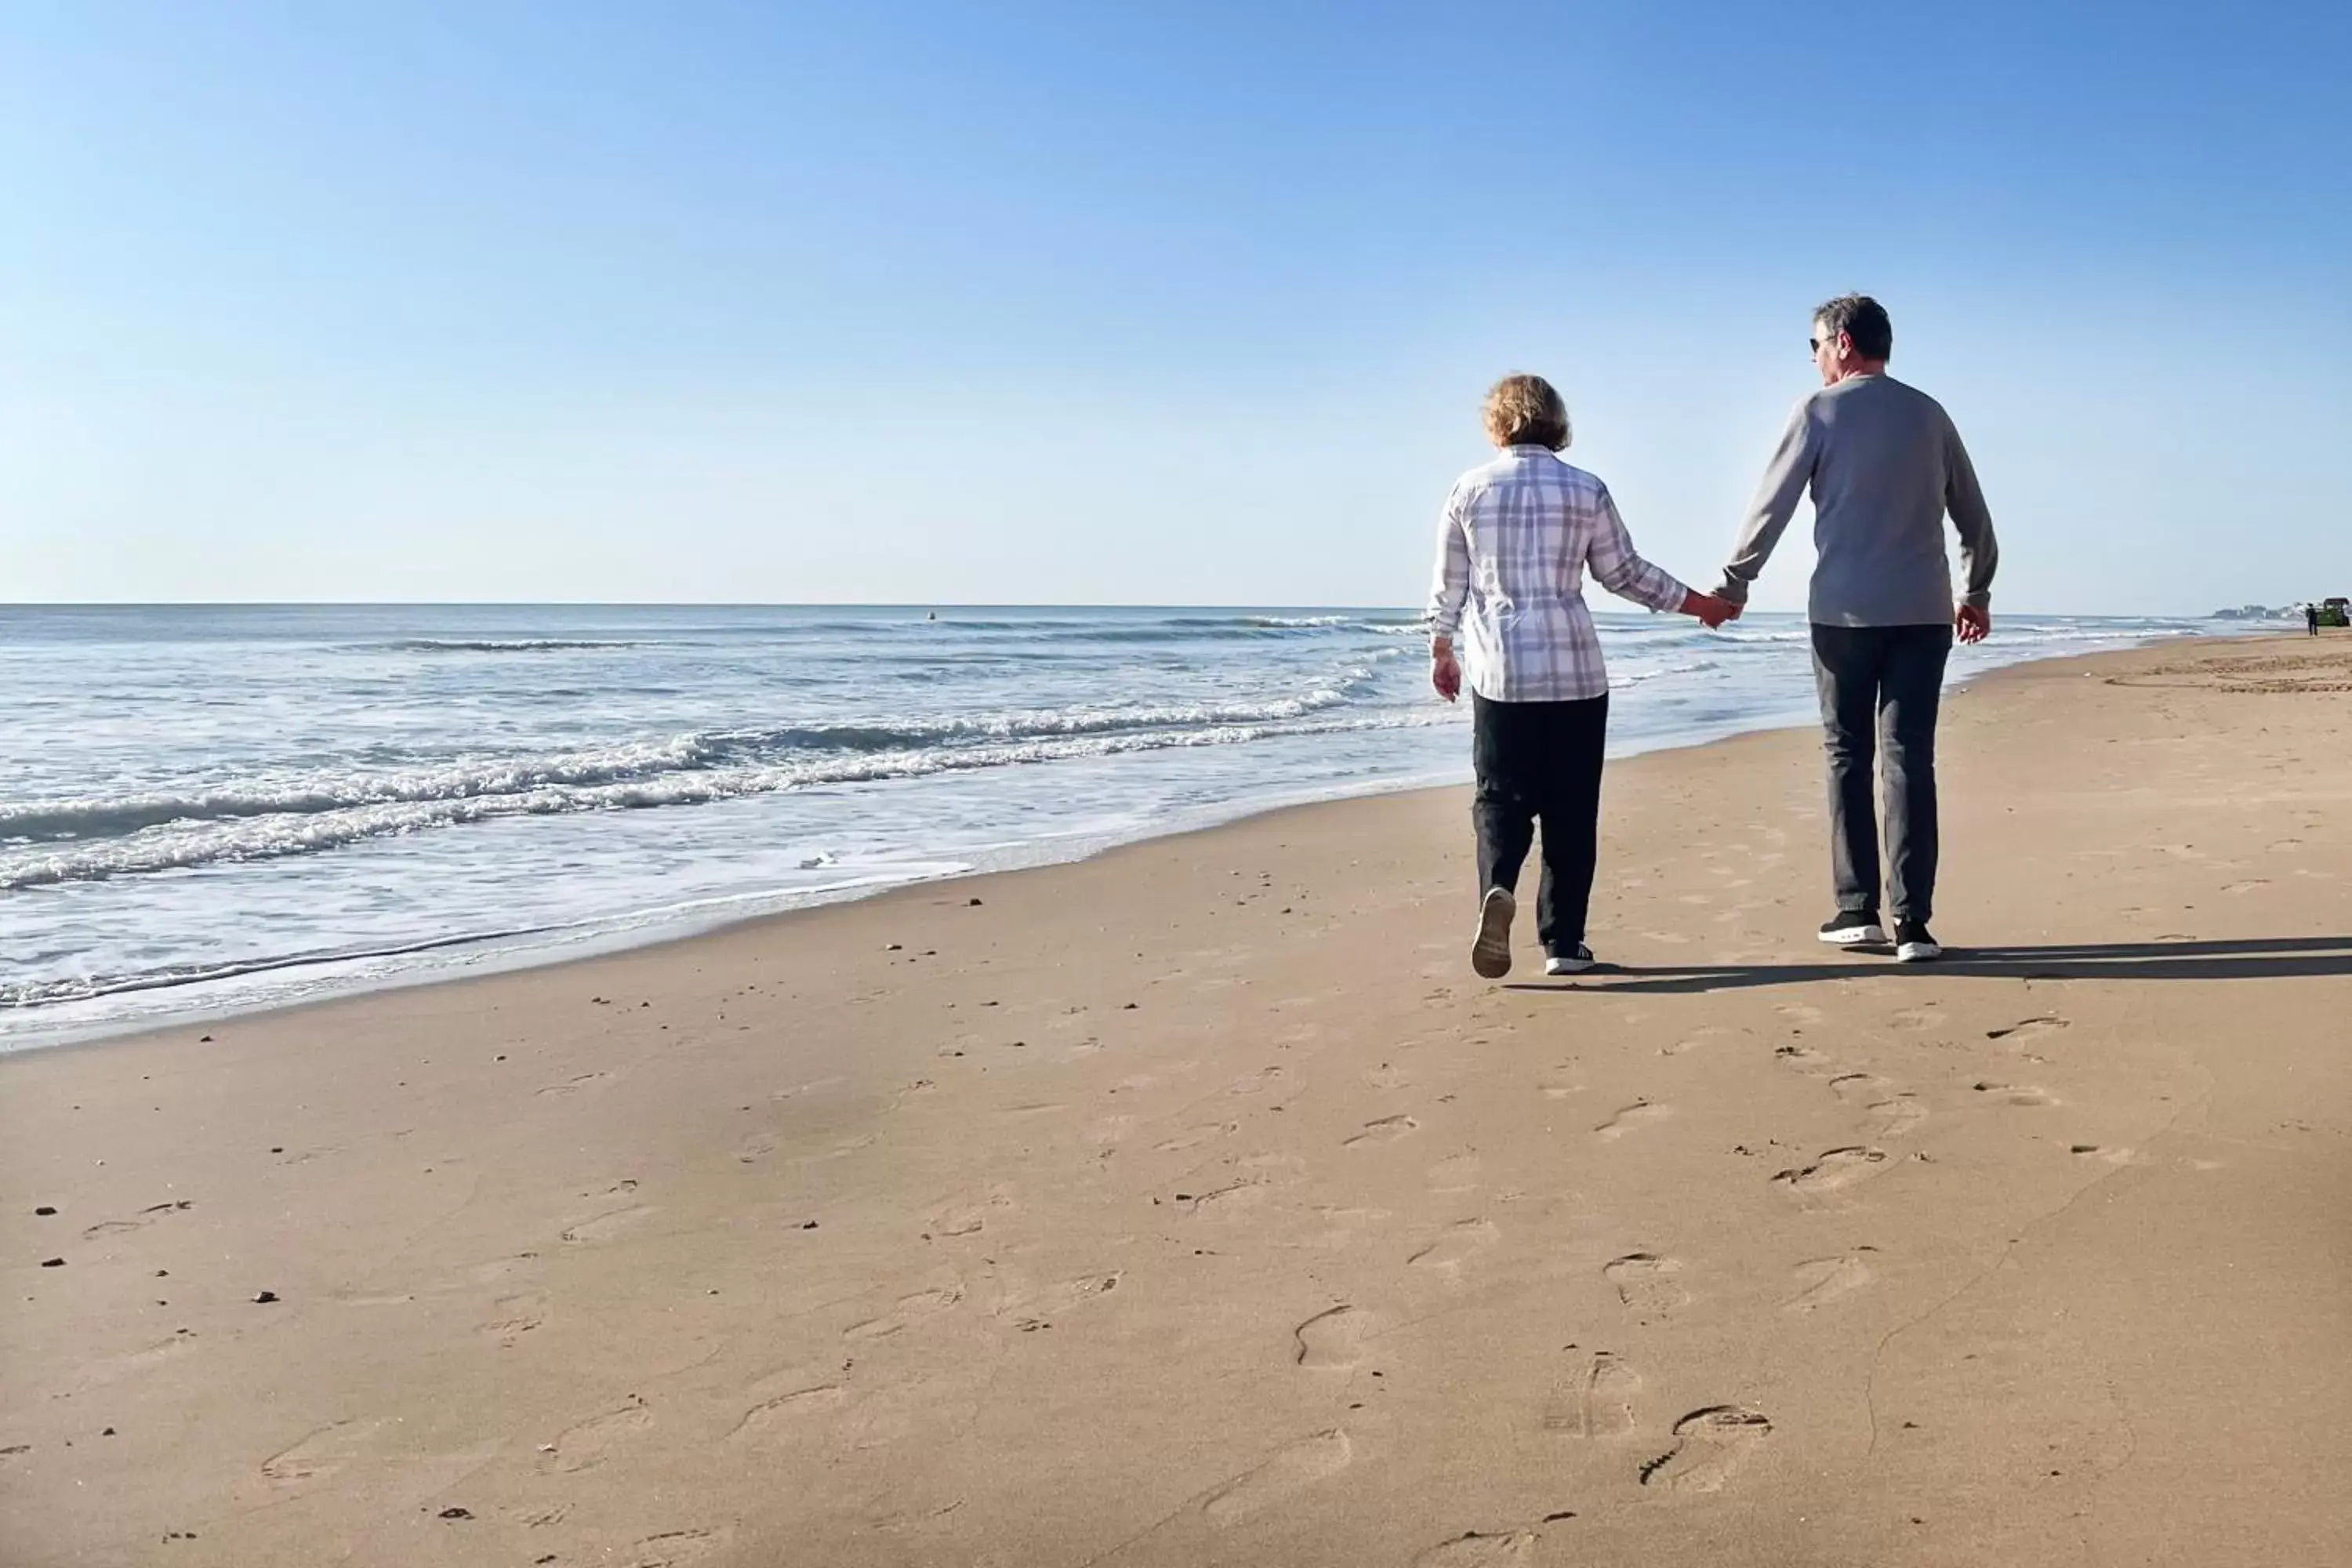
(2311, 620)
(1512, 548)
(1885, 465)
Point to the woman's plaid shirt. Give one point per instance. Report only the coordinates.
(1511, 553)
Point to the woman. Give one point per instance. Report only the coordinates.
(1512, 549)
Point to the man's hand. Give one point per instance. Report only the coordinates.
(1971, 624)
(1444, 674)
(1711, 611)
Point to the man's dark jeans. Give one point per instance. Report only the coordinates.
(1880, 687)
(1540, 759)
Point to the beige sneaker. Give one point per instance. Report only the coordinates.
(1490, 952)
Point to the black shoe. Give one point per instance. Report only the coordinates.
(1913, 944)
(1572, 961)
(1854, 928)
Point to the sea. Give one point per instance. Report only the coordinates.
(207, 808)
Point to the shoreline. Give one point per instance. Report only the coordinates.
(1192, 1204)
(494, 954)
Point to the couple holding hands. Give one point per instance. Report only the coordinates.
(1885, 466)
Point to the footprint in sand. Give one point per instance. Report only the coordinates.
(1454, 1174)
(1804, 1058)
(906, 1312)
(1639, 1114)
(2026, 1029)
(787, 1410)
(512, 1317)
(1645, 1282)
(1042, 1308)
(1836, 1168)
(1302, 1464)
(1560, 1085)
(1820, 1281)
(1457, 1245)
(323, 1453)
(592, 1442)
(1335, 1340)
(969, 1215)
(1478, 1549)
(676, 1548)
(608, 1224)
(2015, 1093)
(1853, 1085)
(1258, 1082)
(1709, 1446)
(756, 1148)
(1193, 1137)
(144, 1217)
(1798, 1016)
(1382, 1130)
(1919, 1019)
(1595, 1400)
(2104, 1156)
(574, 1085)
(1895, 1117)
(1692, 1041)
(1386, 1076)
(1234, 1197)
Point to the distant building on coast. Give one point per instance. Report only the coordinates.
(2258, 613)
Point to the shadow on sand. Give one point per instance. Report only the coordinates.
(2260, 958)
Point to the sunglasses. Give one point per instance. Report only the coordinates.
(1814, 345)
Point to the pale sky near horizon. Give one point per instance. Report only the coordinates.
(1064, 304)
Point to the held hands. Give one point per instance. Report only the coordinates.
(1971, 624)
(1711, 611)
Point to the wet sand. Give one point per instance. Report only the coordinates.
(1196, 1204)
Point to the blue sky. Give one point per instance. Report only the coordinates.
(1097, 303)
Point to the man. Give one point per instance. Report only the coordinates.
(1884, 467)
(1512, 548)
(2311, 620)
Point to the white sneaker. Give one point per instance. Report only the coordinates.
(1490, 952)
(1571, 963)
(1914, 944)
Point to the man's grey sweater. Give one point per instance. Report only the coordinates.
(1886, 465)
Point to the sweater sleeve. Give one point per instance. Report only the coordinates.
(1964, 500)
(1776, 495)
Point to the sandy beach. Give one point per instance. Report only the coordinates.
(1195, 1204)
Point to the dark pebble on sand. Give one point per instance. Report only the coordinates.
(894, 947)
(206, 1039)
(264, 1298)
(808, 1225)
(972, 903)
(47, 1209)
(108, 1433)
(277, 1148)
(1128, 1008)
(457, 1514)
(53, 1263)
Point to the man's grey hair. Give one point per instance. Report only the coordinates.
(1863, 320)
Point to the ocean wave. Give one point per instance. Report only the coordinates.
(97, 817)
(183, 844)
(496, 645)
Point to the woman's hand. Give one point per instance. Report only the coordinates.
(1444, 674)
